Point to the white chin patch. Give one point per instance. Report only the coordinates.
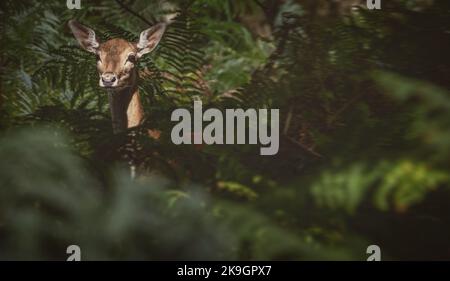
(107, 86)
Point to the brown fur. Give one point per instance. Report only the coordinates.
(126, 107)
(117, 64)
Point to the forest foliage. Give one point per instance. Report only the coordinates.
(364, 146)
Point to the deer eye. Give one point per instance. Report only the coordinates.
(131, 58)
(97, 58)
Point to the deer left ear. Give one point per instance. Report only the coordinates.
(85, 36)
(150, 38)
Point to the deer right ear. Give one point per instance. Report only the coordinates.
(149, 39)
(85, 36)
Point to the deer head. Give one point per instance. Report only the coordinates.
(117, 68)
(117, 58)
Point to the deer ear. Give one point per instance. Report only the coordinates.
(85, 36)
(150, 38)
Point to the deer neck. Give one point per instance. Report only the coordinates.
(126, 108)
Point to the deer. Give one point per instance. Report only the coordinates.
(117, 61)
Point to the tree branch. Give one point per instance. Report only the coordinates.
(126, 8)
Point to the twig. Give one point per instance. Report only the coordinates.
(288, 121)
(123, 6)
(344, 108)
(304, 147)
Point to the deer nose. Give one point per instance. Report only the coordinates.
(108, 78)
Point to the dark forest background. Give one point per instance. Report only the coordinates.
(364, 148)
